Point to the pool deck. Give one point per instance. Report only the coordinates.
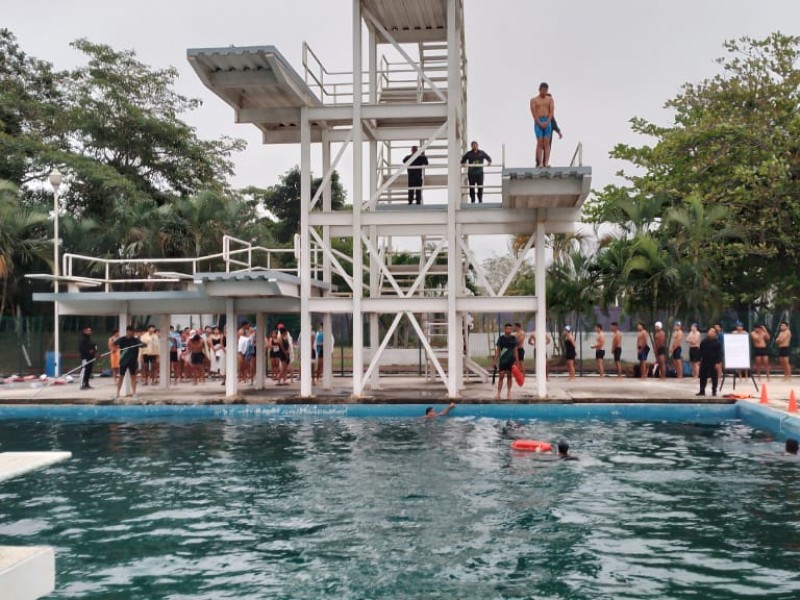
(404, 390)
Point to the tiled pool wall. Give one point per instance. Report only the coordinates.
(775, 422)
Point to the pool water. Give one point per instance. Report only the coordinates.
(406, 508)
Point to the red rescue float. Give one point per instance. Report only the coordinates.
(518, 374)
(531, 446)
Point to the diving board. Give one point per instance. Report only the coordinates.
(550, 188)
(13, 464)
(27, 573)
(257, 82)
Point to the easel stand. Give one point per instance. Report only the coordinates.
(735, 373)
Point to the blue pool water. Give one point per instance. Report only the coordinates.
(296, 505)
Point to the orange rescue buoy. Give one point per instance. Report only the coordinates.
(531, 446)
(518, 374)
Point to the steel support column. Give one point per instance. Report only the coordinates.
(358, 201)
(327, 364)
(261, 354)
(455, 284)
(231, 349)
(305, 255)
(163, 352)
(541, 312)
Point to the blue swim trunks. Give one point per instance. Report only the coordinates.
(543, 132)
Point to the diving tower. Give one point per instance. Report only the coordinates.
(406, 87)
(411, 92)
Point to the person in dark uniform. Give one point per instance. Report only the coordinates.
(88, 352)
(710, 358)
(416, 170)
(128, 358)
(475, 173)
(505, 356)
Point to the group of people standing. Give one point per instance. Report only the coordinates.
(706, 354)
(196, 354)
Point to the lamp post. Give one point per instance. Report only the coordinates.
(55, 181)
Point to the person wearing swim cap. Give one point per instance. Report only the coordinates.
(430, 412)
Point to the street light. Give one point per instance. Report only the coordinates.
(55, 181)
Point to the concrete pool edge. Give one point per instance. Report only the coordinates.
(759, 416)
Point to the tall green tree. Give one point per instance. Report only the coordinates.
(734, 142)
(30, 99)
(283, 201)
(123, 120)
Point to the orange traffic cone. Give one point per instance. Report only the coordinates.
(764, 399)
(792, 408)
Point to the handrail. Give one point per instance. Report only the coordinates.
(337, 87)
(578, 154)
(141, 270)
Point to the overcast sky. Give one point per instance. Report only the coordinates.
(605, 61)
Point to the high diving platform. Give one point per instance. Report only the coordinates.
(403, 94)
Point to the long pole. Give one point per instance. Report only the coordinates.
(56, 272)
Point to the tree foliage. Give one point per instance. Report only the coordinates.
(282, 200)
(717, 195)
(21, 242)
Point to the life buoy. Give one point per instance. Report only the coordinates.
(531, 446)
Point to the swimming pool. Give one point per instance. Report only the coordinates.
(292, 505)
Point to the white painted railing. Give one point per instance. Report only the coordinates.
(236, 256)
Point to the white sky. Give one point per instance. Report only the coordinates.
(605, 61)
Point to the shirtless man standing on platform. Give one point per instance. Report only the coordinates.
(600, 350)
(660, 340)
(675, 348)
(784, 341)
(642, 349)
(693, 339)
(543, 110)
(616, 347)
(760, 337)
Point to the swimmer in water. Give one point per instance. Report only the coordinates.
(563, 451)
(792, 446)
(430, 412)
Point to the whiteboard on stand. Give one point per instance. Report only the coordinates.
(736, 347)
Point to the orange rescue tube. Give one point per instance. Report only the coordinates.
(531, 446)
(518, 374)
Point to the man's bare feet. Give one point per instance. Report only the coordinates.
(497, 396)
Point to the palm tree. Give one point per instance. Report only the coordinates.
(694, 230)
(572, 286)
(652, 276)
(22, 240)
(613, 254)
